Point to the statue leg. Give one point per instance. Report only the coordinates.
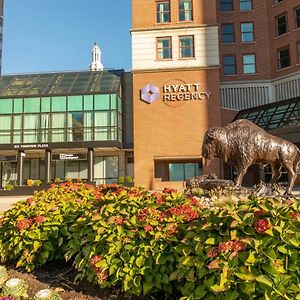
(291, 175)
(276, 172)
(240, 175)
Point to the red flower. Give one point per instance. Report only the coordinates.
(234, 246)
(102, 275)
(262, 225)
(148, 227)
(186, 211)
(119, 220)
(213, 252)
(296, 216)
(24, 224)
(169, 191)
(39, 219)
(95, 259)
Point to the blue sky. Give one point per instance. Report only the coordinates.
(58, 35)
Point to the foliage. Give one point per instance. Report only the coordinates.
(3, 275)
(17, 288)
(37, 183)
(9, 187)
(162, 241)
(128, 179)
(46, 294)
(29, 182)
(36, 230)
(121, 179)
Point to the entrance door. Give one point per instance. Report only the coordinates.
(9, 173)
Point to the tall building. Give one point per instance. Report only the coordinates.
(237, 53)
(176, 89)
(259, 51)
(1, 31)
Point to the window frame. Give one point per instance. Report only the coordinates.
(279, 60)
(226, 34)
(158, 13)
(235, 64)
(184, 11)
(255, 65)
(276, 24)
(247, 32)
(297, 18)
(246, 1)
(170, 47)
(298, 51)
(180, 47)
(227, 1)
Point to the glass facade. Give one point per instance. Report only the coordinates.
(95, 117)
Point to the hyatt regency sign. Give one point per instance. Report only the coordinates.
(184, 92)
(175, 92)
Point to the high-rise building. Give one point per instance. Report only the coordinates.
(1, 31)
(231, 54)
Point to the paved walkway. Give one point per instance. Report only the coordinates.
(7, 201)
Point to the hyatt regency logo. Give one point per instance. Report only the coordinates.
(149, 93)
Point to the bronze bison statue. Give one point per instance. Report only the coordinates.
(242, 143)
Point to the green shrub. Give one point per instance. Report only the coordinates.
(121, 179)
(128, 179)
(37, 183)
(36, 230)
(17, 288)
(162, 242)
(9, 187)
(151, 242)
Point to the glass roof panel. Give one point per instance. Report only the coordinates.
(107, 81)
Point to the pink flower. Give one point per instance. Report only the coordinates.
(213, 252)
(95, 259)
(262, 225)
(24, 224)
(148, 227)
(39, 219)
(259, 213)
(296, 216)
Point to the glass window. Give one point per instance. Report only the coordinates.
(298, 52)
(59, 103)
(186, 46)
(5, 123)
(163, 12)
(227, 32)
(284, 59)
(75, 126)
(18, 105)
(6, 106)
(297, 15)
(245, 5)
(247, 32)
(119, 104)
(183, 171)
(32, 105)
(32, 121)
(102, 118)
(113, 101)
(229, 64)
(18, 122)
(101, 102)
(88, 126)
(164, 48)
(249, 64)
(282, 24)
(88, 102)
(74, 103)
(277, 1)
(45, 104)
(226, 5)
(185, 10)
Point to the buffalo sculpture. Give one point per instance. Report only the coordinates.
(242, 143)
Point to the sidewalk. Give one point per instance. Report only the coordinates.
(7, 201)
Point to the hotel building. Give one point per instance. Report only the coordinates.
(243, 53)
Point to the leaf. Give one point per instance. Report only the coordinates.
(36, 245)
(264, 280)
(140, 261)
(200, 292)
(214, 264)
(210, 241)
(251, 259)
(245, 276)
(147, 287)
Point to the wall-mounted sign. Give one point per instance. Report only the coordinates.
(8, 158)
(174, 93)
(31, 146)
(64, 156)
(184, 92)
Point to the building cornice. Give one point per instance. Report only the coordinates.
(175, 69)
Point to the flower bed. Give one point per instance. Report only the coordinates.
(162, 242)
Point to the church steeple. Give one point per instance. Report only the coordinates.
(96, 64)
